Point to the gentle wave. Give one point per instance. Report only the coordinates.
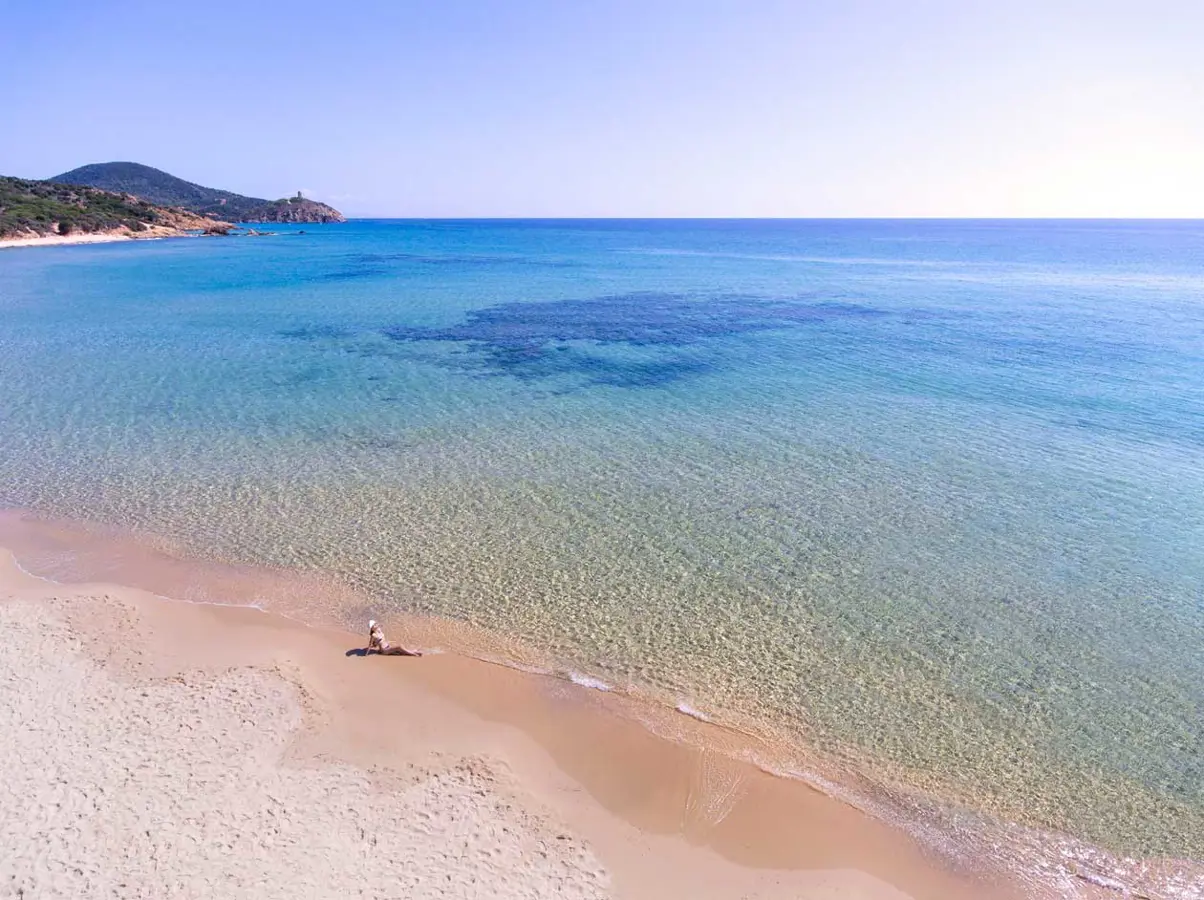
(687, 710)
(588, 681)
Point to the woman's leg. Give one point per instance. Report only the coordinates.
(401, 651)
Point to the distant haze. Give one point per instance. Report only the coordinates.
(626, 108)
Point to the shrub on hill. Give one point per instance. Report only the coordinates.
(42, 207)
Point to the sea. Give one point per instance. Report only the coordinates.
(923, 499)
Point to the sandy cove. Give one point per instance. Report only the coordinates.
(150, 233)
(59, 240)
(155, 748)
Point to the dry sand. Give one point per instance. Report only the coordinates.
(152, 232)
(152, 748)
(55, 240)
(176, 788)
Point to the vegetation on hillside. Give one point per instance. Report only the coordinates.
(40, 207)
(29, 208)
(159, 187)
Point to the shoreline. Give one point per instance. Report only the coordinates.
(151, 233)
(663, 818)
(785, 820)
(63, 240)
(66, 240)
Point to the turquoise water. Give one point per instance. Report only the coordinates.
(928, 496)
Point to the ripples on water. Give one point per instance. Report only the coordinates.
(927, 496)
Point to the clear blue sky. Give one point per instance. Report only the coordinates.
(625, 108)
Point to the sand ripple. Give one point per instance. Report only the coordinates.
(179, 787)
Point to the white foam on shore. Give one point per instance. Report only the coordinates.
(687, 710)
(588, 681)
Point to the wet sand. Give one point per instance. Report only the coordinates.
(547, 788)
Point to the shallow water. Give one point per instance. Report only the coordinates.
(928, 496)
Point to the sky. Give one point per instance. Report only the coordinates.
(455, 108)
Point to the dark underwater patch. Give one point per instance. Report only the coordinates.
(625, 340)
(351, 272)
(389, 261)
(314, 333)
(361, 266)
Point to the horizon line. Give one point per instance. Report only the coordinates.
(519, 218)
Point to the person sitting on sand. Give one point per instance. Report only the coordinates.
(378, 644)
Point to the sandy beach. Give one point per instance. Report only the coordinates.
(59, 240)
(151, 233)
(155, 748)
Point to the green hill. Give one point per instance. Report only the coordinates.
(34, 208)
(160, 188)
(163, 189)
